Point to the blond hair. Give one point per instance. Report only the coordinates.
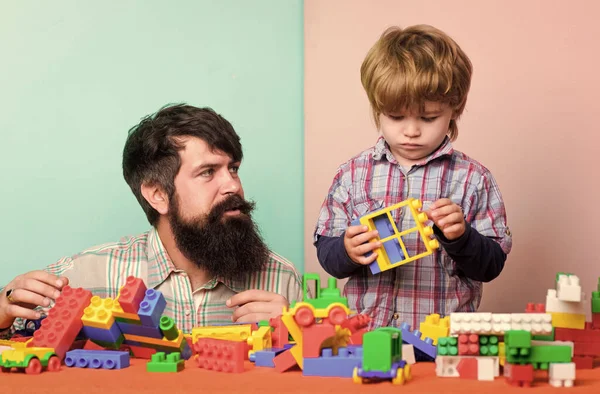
(407, 67)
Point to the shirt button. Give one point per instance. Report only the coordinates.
(396, 316)
(187, 312)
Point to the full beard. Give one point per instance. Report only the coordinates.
(227, 247)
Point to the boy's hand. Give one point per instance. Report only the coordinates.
(26, 292)
(256, 305)
(448, 217)
(356, 242)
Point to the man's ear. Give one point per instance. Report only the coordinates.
(156, 197)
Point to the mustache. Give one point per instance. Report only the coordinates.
(230, 203)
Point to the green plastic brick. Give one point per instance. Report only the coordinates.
(171, 363)
(488, 345)
(447, 346)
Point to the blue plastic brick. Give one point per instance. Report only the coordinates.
(329, 365)
(264, 358)
(105, 359)
(393, 250)
(152, 308)
(112, 335)
(144, 331)
(383, 226)
(414, 338)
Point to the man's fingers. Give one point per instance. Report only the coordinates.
(252, 308)
(22, 296)
(252, 318)
(14, 310)
(253, 295)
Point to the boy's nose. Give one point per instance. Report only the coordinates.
(412, 129)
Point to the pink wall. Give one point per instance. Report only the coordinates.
(531, 118)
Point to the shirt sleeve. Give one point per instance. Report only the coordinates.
(333, 257)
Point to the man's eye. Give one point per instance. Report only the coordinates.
(234, 169)
(207, 173)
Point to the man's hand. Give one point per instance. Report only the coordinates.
(356, 242)
(448, 217)
(255, 305)
(26, 292)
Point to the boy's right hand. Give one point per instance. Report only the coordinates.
(356, 242)
(26, 292)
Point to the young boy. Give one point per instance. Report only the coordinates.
(417, 80)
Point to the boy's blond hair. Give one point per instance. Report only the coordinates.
(407, 67)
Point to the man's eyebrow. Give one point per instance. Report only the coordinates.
(209, 165)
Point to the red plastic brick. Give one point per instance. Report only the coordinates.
(575, 335)
(138, 351)
(313, 338)
(63, 323)
(89, 345)
(596, 321)
(518, 375)
(280, 336)
(220, 355)
(468, 345)
(535, 308)
(357, 337)
(284, 361)
(467, 368)
(583, 362)
(132, 294)
(587, 349)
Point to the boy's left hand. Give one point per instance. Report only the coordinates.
(448, 217)
(256, 305)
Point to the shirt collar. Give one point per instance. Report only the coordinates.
(382, 150)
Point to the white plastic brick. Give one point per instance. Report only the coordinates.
(561, 375)
(535, 323)
(487, 368)
(470, 322)
(408, 354)
(568, 288)
(445, 366)
(553, 304)
(501, 322)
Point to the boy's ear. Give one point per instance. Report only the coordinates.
(156, 197)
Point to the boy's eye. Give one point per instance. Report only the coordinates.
(431, 119)
(396, 117)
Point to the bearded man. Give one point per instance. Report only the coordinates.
(204, 252)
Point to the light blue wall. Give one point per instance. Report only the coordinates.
(76, 75)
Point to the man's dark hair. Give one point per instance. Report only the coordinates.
(151, 153)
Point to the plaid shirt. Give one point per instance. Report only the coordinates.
(104, 269)
(373, 180)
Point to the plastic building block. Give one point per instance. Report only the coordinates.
(596, 321)
(32, 360)
(554, 304)
(484, 323)
(285, 361)
(294, 329)
(408, 354)
(447, 346)
(576, 335)
(561, 375)
(393, 252)
(60, 328)
(132, 294)
(264, 358)
(435, 327)
(356, 323)
(596, 302)
(99, 313)
(219, 355)
(519, 375)
(536, 323)
(112, 335)
(105, 359)
(583, 362)
(236, 332)
(587, 349)
(481, 368)
(280, 334)
(260, 339)
(488, 345)
(539, 356)
(467, 368)
(568, 288)
(169, 363)
(568, 320)
(140, 352)
(468, 345)
(139, 330)
(341, 365)
(535, 308)
(414, 338)
(554, 343)
(168, 328)
(398, 374)
(151, 308)
(313, 338)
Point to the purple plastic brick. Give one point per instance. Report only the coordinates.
(143, 331)
(264, 358)
(329, 365)
(106, 359)
(414, 338)
(152, 308)
(391, 374)
(112, 335)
